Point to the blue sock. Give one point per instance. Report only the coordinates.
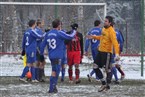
(63, 73)
(92, 72)
(25, 70)
(37, 73)
(33, 73)
(52, 83)
(114, 71)
(57, 72)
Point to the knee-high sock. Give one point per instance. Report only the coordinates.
(77, 72)
(62, 73)
(70, 74)
(109, 77)
(100, 75)
(114, 72)
(33, 73)
(52, 83)
(57, 72)
(37, 72)
(25, 70)
(121, 71)
(92, 72)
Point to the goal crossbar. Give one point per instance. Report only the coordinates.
(61, 4)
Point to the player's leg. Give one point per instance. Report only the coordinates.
(98, 64)
(76, 61)
(114, 70)
(55, 63)
(121, 71)
(108, 67)
(70, 64)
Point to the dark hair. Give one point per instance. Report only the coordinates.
(38, 22)
(31, 23)
(56, 23)
(74, 26)
(97, 23)
(110, 18)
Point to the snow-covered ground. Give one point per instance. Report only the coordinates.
(13, 66)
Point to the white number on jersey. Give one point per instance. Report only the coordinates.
(27, 41)
(52, 43)
(94, 40)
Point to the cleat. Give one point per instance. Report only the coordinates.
(35, 81)
(107, 88)
(89, 78)
(70, 81)
(23, 80)
(78, 81)
(62, 80)
(122, 77)
(102, 88)
(116, 82)
(55, 90)
(42, 80)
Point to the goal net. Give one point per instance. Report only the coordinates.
(15, 16)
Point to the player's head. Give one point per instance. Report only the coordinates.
(57, 24)
(74, 26)
(97, 23)
(32, 23)
(108, 21)
(40, 23)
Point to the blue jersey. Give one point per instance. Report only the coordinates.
(39, 41)
(94, 43)
(55, 43)
(29, 40)
(119, 39)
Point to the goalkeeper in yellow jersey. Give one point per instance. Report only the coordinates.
(103, 59)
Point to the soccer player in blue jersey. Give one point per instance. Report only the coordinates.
(94, 44)
(39, 70)
(115, 65)
(29, 45)
(55, 44)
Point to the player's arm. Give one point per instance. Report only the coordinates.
(64, 35)
(114, 41)
(37, 35)
(81, 44)
(94, 37)
(87, 44)
(42, 47)
(121, 42)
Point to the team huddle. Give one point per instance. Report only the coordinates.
(66, 47)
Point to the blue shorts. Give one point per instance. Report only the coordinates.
(31, 56)
(64, 59)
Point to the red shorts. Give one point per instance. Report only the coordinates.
(74, 57)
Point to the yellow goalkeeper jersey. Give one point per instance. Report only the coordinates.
(108, 40)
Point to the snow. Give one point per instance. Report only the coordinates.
(13, 66)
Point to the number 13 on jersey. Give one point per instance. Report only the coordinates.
(52, 43)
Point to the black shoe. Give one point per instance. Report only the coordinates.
(42, 80)
(116, 82)
(107, 88)
(55, 90)
(78, 81)
(89, 78)
(62, 80)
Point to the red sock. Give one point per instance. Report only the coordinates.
(70, 74)
(119, 69)
(77, 72)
